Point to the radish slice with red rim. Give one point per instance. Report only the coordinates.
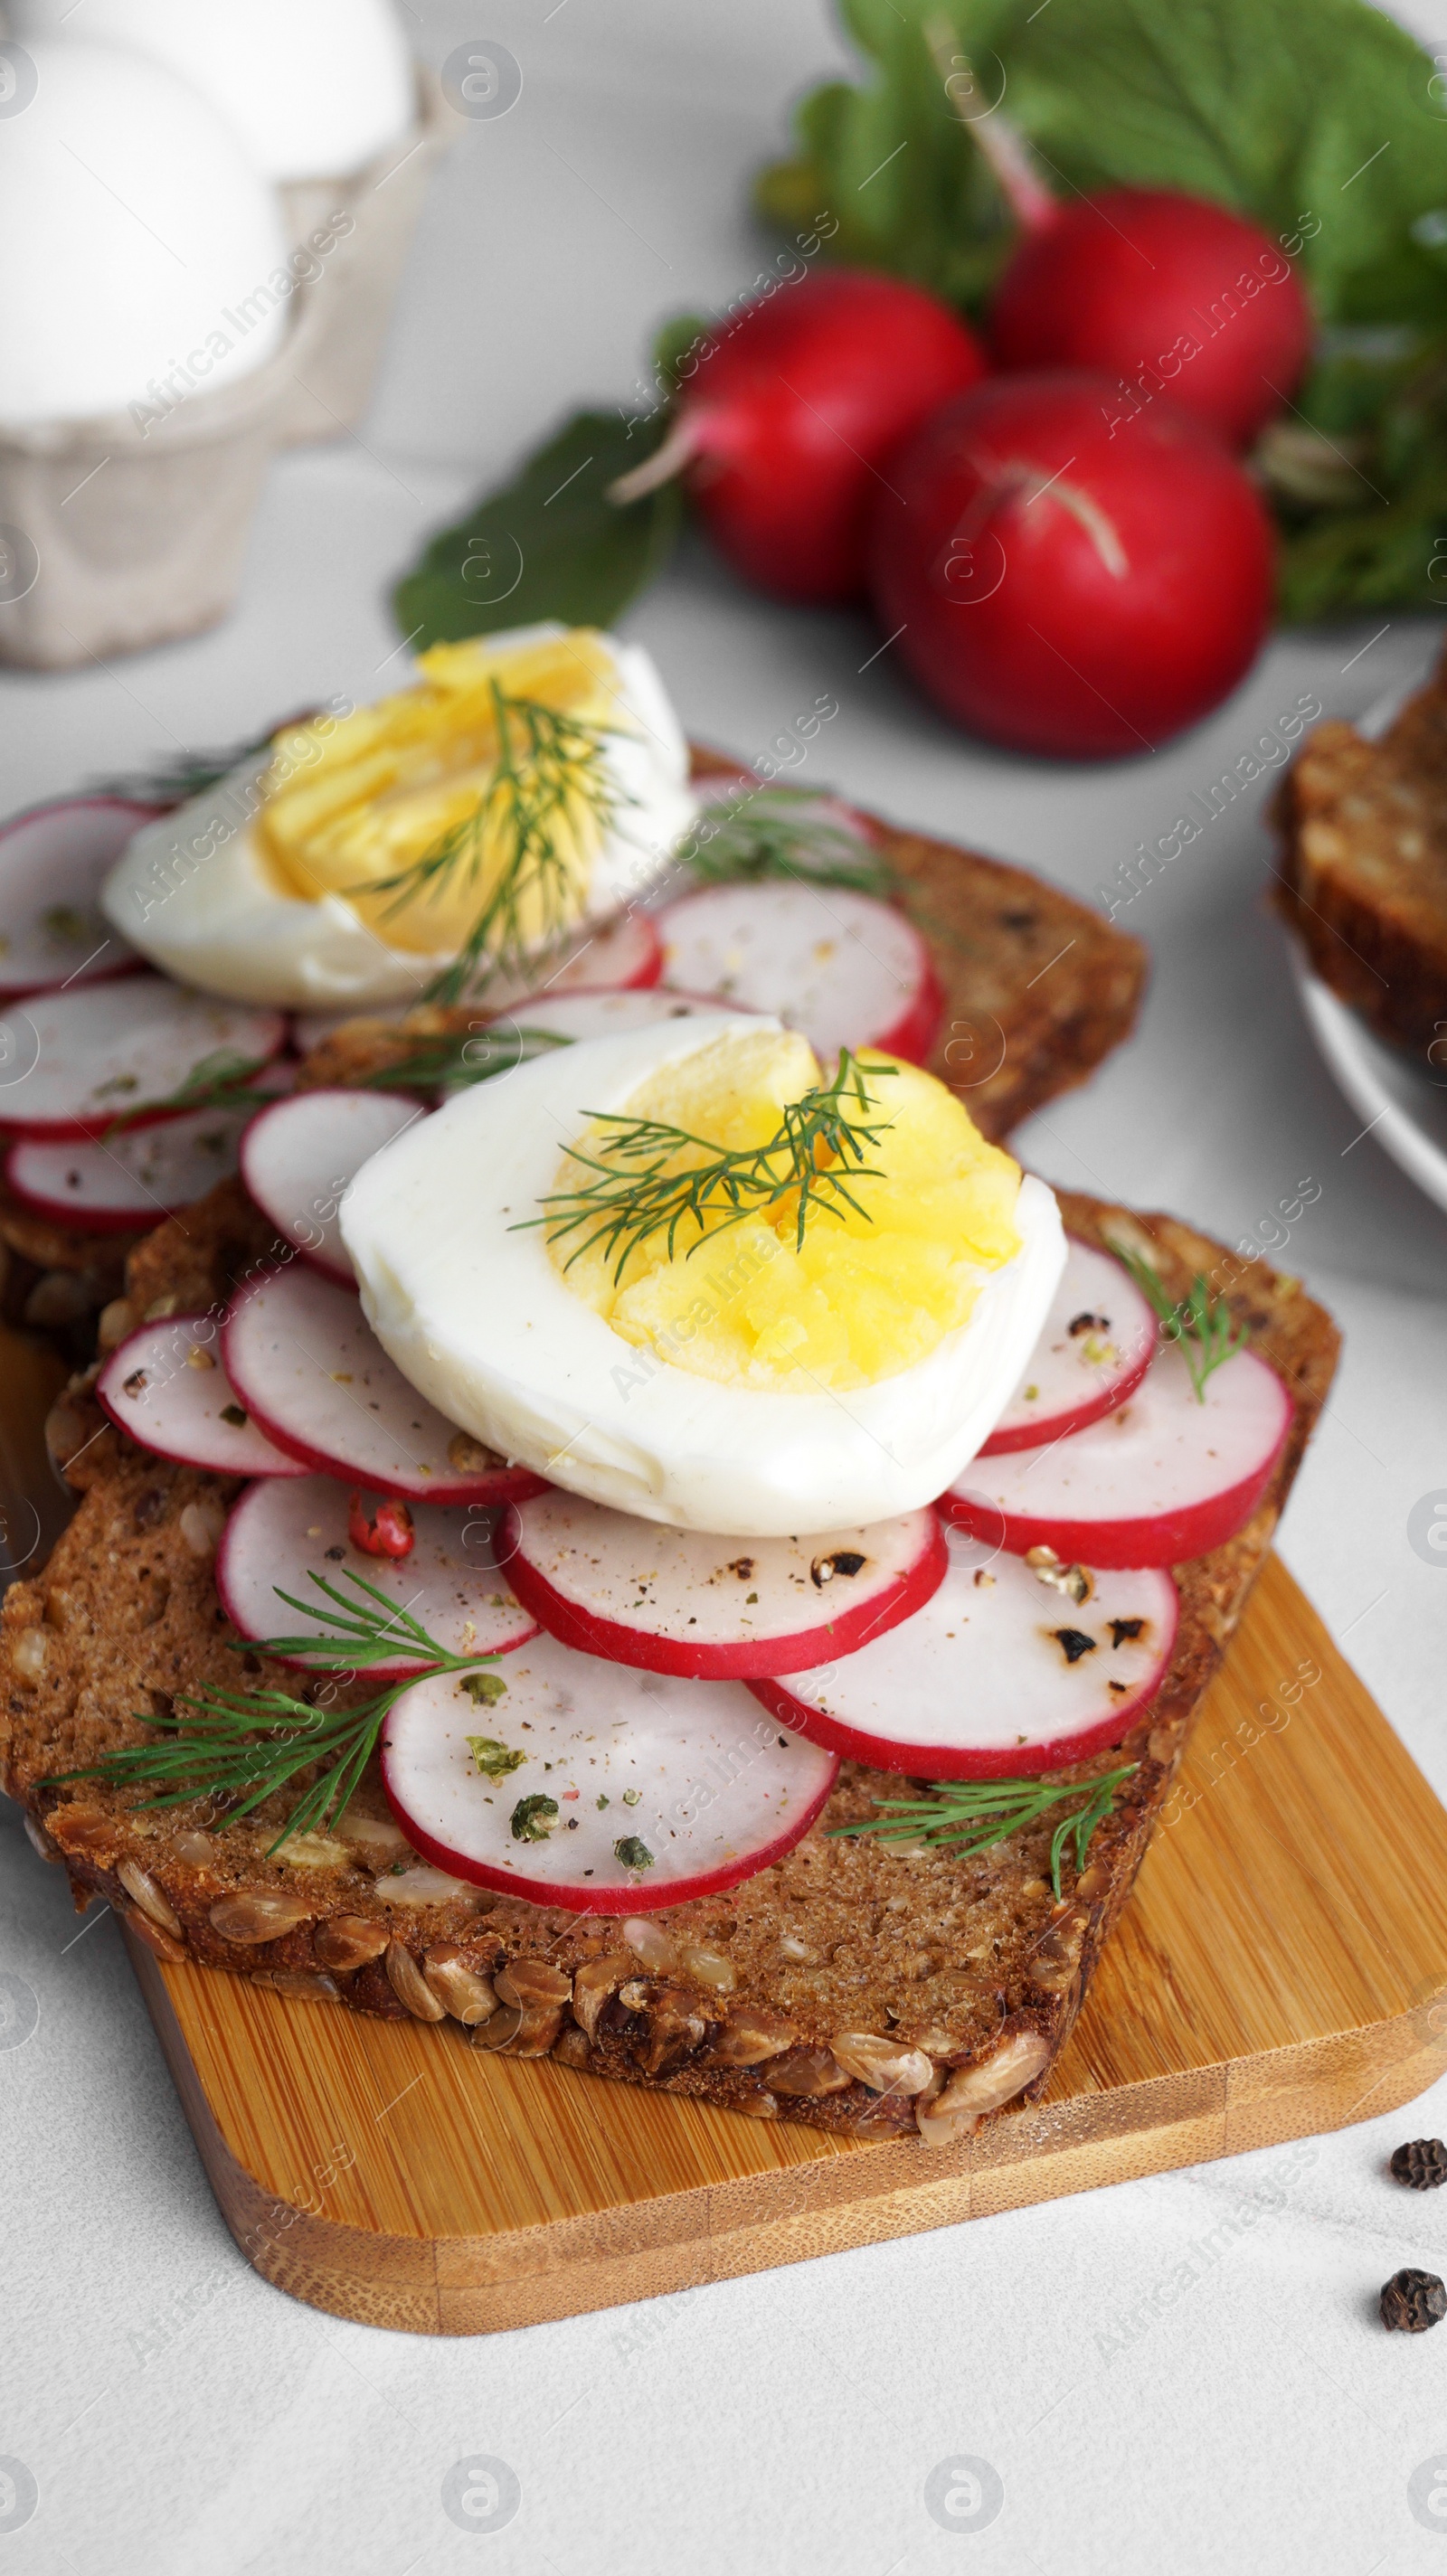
(1162, 1478)
(278, 1535)
(1003, 1673)
(138, 1176)
(595, 1788)
(515, 1037)
(308, 1367)
(625, 954)
(1096, 1344)
(682, 1601)
(165, 1385)
(299, 1155)
(53, 863)
(841, 967)
(819, 832)
(72, 1063)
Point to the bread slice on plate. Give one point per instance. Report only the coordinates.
(1363, 882)
(812, 1991)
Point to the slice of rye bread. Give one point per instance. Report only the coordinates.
(742, 1997)
(1363, 829)
(56, 1278)
(1038, 988)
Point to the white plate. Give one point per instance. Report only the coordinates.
(1405, 1109)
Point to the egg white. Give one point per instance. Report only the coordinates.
(311, 91)
(193, 892)
(137, 242)
(479, 1318)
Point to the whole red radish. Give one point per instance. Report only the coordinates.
(1064, 585)
(787, 416)
(1172, 294)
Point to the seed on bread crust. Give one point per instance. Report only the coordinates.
(139, 1884)
(750, 2036)
(533, 1981)
(808, 2071)
(881, 2063)
(468, 1997)
(349, 1941)
(499, 2030)
(410, 1986)
(258, 1914)
(595, 1985)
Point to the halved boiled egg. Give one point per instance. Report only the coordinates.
(527, 785)
(529, 1259)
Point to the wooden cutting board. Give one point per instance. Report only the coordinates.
(1281, 1969)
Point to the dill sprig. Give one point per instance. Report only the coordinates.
(1201, 1325)
(782, 832)
(550, 787)
(450, 1063)
(818, 1150)
(190, 773)
(221, 1080)
(970, 1815)
(244, 1746)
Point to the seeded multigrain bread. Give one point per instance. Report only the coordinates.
(845, 1986)
(1038, 988)
(55, 1278)
(1364, 867)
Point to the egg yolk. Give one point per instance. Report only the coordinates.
(350, 805)
(870, 1291)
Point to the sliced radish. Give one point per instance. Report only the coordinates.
(72, 1063)
(841, 967)
(279, 1535)
(627, 953)
(165, 1385)
(507, 1041)
(769, 799)
(680, 1601)
(1001, 1673)
(307, 1365)
(141, 1175)
(1096, 1344)
(299, 1155)
(591, 1787)
(53, 862)
(1161, 1478)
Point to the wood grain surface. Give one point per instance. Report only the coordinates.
(1275, 1973)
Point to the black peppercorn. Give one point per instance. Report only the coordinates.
(1412, 2301)
(1421, 2164)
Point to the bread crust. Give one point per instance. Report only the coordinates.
(1363, 883)
(969, 1965)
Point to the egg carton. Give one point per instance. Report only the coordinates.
(129, 529)
(360, 272)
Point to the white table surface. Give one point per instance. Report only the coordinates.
(1144, 2404)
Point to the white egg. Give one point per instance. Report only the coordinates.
(312, 87)
(139, 248)
(476, 1315)
(195, 894)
